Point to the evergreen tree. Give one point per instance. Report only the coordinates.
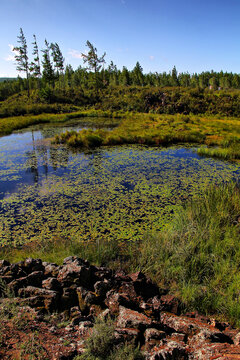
(137, 75)
(175, 81)
(35, 67)
(95, 63)
(48, 72)
(125, 77)
(22, 56)
(58, 59)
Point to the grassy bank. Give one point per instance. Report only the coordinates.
(197, 256)
(8, 125)
(160, 130)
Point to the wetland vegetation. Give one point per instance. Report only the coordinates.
(126, 169)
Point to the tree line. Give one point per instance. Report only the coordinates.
(47, 70)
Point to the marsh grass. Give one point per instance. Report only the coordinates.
(229, 149)
(198, 255)
(157, 130)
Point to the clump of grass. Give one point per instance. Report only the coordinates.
(198, 254)
(229, 149)
(229, 153)
(101, 344)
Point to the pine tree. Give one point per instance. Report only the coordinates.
(58, 59)
(21, 57)
(48, 72)
(35, 67)
(137, 74)
(95, 63)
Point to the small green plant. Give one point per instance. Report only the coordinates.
(100, 344)
(33, 348)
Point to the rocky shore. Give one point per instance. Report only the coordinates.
(62, 303)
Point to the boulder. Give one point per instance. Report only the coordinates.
(51, 283)
(74, 274)
(128, 318)
(50, 298)
(123, 335)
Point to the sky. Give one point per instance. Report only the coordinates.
(193, 35)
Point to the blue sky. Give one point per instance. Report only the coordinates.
(193, 35)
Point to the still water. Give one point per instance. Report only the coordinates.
(119, 192)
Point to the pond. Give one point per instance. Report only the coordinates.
(118, 192)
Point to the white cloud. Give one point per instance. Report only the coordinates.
(11, 56)
(75, 54)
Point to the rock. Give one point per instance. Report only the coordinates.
(101, 273)
(69, 298)
(145, 288)
(168, 351)
(86, 299)
(114, 300)
(128, 318)
(121, 277)
(73, 273)
(154, 334)
(33, 279)
(30, 265)
(137, 276)
(174, 323)
(51, 269)
(102, 287)
(51, 283)
(7, 279)
(76, 260)
(4, 263)
(170, 303)
(123, 335)
(50, 298)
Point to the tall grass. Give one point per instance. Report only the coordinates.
(229, 150)
(198, 255)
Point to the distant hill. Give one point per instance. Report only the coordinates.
(7, 78)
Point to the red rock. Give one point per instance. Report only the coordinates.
(127, 335)
(128, 318)
(155, 334)
(114, 300)
(137, 276)
(169, 351)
